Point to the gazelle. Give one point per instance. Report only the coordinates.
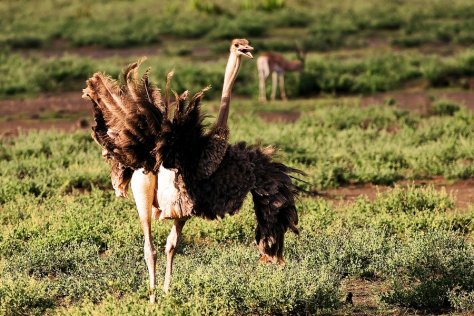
(275, 64)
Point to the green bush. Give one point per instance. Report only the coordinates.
(425, 270)
(328, 74)
(444, 107)
(376, 73)
(412, 40)
(206, 6)
(63, 74)
(247, 25)
(462, 301)
(24, 296)
(146, 22)
(408, 209)
(84, 249)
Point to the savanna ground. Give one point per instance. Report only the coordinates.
(381, 120)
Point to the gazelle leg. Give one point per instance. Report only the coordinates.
(282, 87)
(274, 84)
(171, 243)
(262, 97)
(143, 188)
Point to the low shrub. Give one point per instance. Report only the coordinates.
(462, 301)
(425, 271)
(444, 107)
(408, 209)
(25, 296)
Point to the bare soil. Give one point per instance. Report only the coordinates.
(364, 296)
(65, 111)
(61, 47)
(421, 101)
(365, 300)
(283, 117)
(461, 190)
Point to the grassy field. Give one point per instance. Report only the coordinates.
(68, 246)
(354, 47)
(365, 74)
(322, 25)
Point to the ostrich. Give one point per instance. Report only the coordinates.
(276, 65)
(178, 168)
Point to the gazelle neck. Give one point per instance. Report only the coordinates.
(231, 70)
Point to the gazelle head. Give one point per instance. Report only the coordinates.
(300, 55)
(241, 47)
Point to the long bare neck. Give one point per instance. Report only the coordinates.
(231, 70)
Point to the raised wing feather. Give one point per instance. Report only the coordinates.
(128, 117)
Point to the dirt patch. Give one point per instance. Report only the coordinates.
(421, 101)
(64, 111)
(64, 101)
(364, 296)
(283, 117)
(169, 46)
(461, 190)
(16, 127)
(61, 47)
(378, 42)
(29, 114)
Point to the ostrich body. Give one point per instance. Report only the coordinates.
(178, 169)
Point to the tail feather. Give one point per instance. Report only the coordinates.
(148, 105)
(128, 117)
(180, 104)
(120, 176)
(274, 202)
(169, 77)
(184, 135)
(130, 77)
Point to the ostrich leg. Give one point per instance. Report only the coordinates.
(171, 243)
(143, 188)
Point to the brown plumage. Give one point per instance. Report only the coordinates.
(181, 168)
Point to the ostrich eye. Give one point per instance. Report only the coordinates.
(236, 45)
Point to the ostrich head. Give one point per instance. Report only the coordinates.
(241, 47)
(183, 141)
(238, 48)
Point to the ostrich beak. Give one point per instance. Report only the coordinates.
(246, 51)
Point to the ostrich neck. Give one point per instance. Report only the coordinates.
(231, 70)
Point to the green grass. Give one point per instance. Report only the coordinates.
(342, 143)
(196, 34)
(323, 74)
(328, 25)
(335, 144)
(68, 246)
(87, 249)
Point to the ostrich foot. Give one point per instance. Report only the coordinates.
(267, 259)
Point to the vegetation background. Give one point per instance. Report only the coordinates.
(382, 110)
